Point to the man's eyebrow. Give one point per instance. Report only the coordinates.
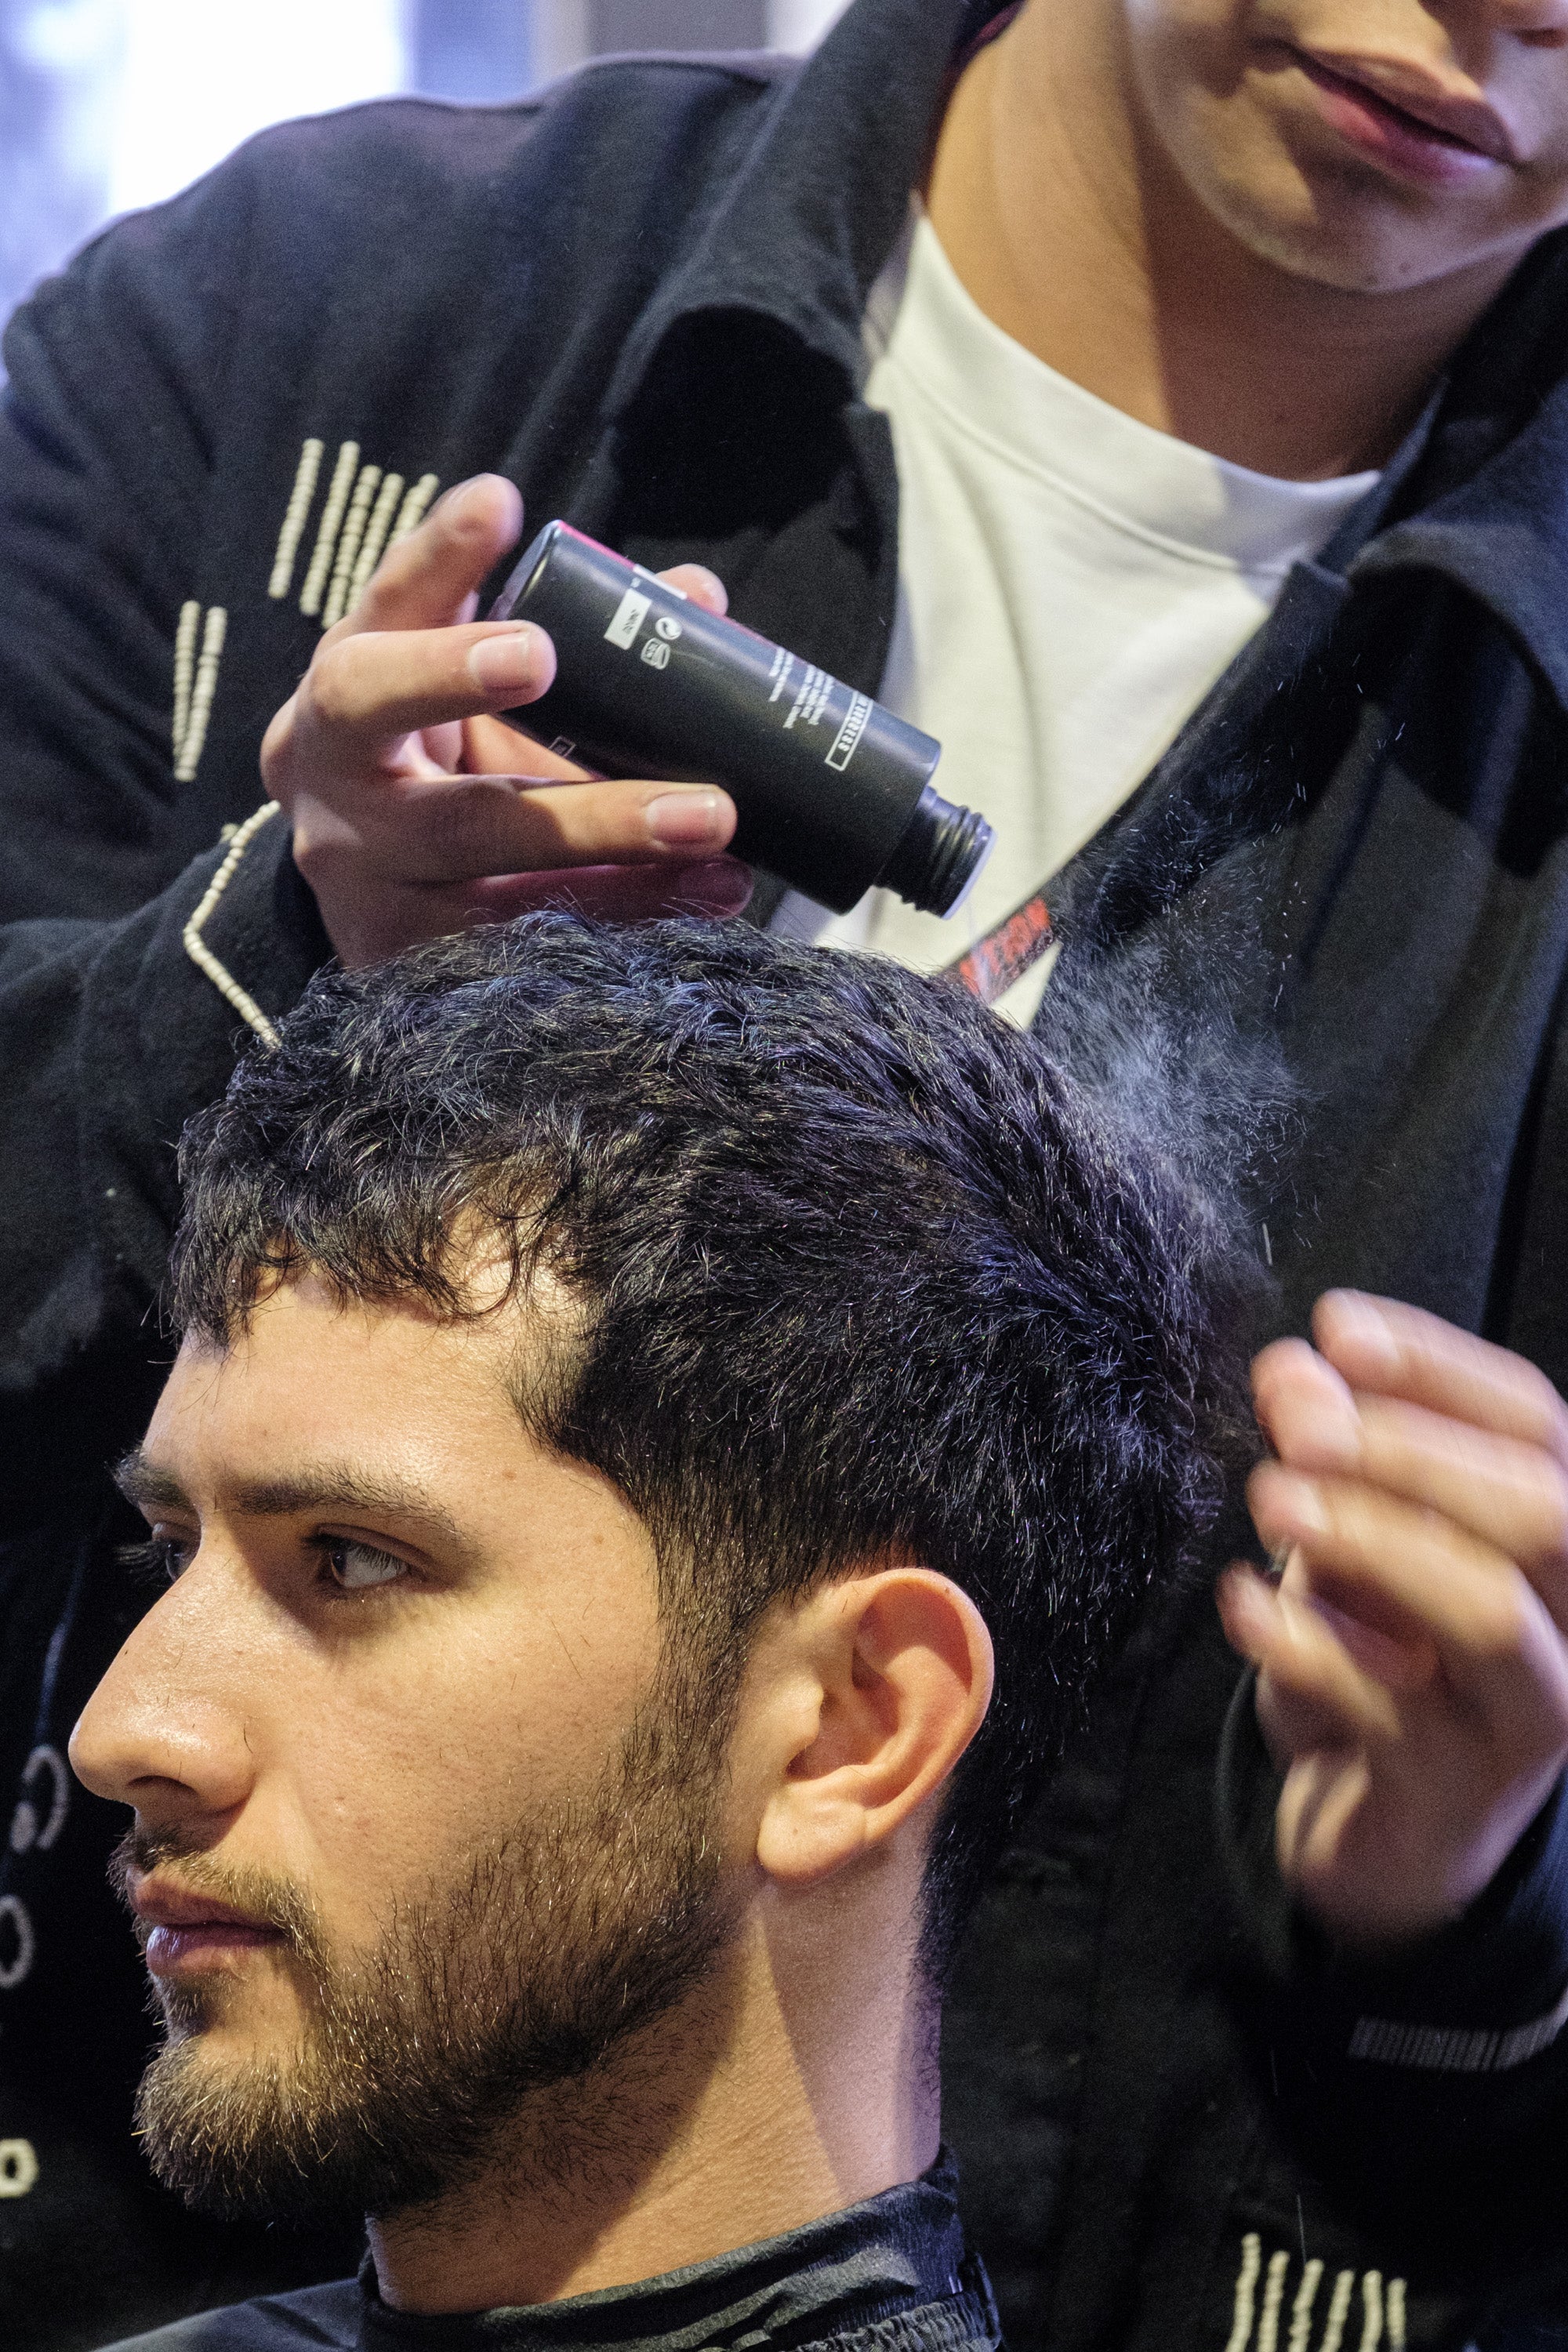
(338, 1488)
(150, 1489)
(341, 1489)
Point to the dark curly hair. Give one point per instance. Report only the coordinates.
(853, 1268)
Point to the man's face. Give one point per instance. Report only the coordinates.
(426, 1816)
(1367, 144)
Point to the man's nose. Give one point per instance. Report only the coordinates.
(163, 1731)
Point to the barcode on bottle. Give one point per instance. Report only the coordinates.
(849, 734)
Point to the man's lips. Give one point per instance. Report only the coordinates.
(181, 1930)
(1416, 129)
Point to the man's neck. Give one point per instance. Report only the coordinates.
(1074, 232)
(745, 2116)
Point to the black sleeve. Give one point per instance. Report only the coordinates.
(1430, 2088)
(109, 1037)
(109, 1034)
(116, 372)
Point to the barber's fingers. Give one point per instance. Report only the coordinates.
(364, 694)
(1305, 1409)
(703, 587)
(428, 578)
(461, 828)
(1312, 1693)
(1505, 1492)
(1380, 1346)
(1416, 1577)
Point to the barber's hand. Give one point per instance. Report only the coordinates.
(1413, 1669)
(416, 812)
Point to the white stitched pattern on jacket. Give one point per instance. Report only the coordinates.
(195, 683)
(1256, 2328)
(367, 510)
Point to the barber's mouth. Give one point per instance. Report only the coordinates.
(1436, 139)
(183, 1932)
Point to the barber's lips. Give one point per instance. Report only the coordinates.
(1426, 137)
(184, 1934)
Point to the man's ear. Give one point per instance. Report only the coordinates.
(900, 1668)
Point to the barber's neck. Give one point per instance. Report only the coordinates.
(1074, 232)
(798, 2080)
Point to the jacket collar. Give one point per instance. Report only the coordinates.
(801, 231)
(873, 2266)
(1484, 503)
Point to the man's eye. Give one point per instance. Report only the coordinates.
(355, 1567)
(158, 1560)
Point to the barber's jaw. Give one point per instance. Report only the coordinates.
(1371, 145)
(452, 1851)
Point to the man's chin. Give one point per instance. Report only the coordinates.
(227, 2122)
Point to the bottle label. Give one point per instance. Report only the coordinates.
(628, 619)
(849, 734)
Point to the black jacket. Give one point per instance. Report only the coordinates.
(640, 296)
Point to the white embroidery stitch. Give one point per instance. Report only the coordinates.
(294, 530)
(1246, 2302)
(196, 948)
(29, 1828)
(327, 537)
(353, 535)
(194, 741)
(1383, 2305)
(184, 668)
(1394, 2314)
(1333, 2333)
(1457, 2049)
(1302, 2309)
(1273, 2296)
(337, 602)
(414, 506)
(380, 523)
(23, 1943)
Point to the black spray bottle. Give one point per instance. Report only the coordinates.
(834, 793)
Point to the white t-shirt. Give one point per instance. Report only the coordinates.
(1071, 582)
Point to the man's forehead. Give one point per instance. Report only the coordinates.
(303, 1341)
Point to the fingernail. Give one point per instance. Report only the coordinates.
(717, 593)
(1360, 1319)
(506, 663)
(680, 818)
(1297, 1502)
(451, 502)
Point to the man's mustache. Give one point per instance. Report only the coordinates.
(269, 1899)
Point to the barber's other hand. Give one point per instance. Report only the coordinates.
(416, 813)
(1413, 1669)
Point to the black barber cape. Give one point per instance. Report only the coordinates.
(888, 2275)
(1182, 2124)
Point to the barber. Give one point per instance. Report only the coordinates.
(1193, 467)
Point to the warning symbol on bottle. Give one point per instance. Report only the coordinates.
(656, 653)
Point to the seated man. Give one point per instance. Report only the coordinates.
(666, 1426)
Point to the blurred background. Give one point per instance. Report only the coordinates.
(107, 105)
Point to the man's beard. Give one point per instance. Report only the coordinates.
(559, 1942)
